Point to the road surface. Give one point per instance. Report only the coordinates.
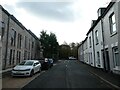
(67, 74)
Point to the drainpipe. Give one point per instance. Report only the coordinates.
(93, 49)
(6, 46)
(104, 51)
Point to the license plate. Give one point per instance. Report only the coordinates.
(18, 72)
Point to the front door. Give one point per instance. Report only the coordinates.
(106, 62)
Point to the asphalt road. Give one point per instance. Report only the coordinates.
(67, 74)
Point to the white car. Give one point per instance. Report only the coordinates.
(27, 68)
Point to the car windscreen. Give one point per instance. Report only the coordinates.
(29, 63)
(22, 63)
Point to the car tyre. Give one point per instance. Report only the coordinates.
(40, 70)
(32, 73)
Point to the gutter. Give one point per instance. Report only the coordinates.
(93, 48)
(104, 51)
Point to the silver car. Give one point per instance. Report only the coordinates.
(27, 68)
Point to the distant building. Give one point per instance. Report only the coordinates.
(81, 52)
(91, 48)
(85, 50)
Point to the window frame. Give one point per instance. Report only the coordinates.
(96, 37)
(90, 42)
(111, 23)
(116, 63)
(98, 58)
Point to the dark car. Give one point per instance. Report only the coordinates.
(51, 62)
(46, 64)
(42, 64)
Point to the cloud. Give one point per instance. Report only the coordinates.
(61, 11)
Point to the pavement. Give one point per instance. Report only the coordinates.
(6, 72)
(108, 77)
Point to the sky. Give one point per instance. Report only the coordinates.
(69, 20)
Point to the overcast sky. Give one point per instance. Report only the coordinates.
(70, 20)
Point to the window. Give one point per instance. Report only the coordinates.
(98, 58)
(12, 57)
(29, 44)
(19, 39)
(116, 56)
(90, 42)
(25, 55)
(3, 29)
(96, 36)
(91, 58)
(13, 37)
(112, 23)
(18, 56)
(25, 42)
(0, 37)
(32, 44)
(28, 55)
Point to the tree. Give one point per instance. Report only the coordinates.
(64, 51)
(49, 44)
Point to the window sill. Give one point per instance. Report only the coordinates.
(114, 33)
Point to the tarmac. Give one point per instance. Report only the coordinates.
(108, 77)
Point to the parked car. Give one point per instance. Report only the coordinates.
(27, 68)
(72, 58)
(46, 64)
(51, 62)
(42, 63)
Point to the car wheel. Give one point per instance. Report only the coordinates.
(32, 72)
(40, 70)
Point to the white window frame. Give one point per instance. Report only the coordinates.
(96, 36)
(112, 20)
(116, 63)
(98, 58)
(90, 42)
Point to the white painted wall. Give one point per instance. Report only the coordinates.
(99, 46)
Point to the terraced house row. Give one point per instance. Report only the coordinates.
(16, 42)
(101, 46)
